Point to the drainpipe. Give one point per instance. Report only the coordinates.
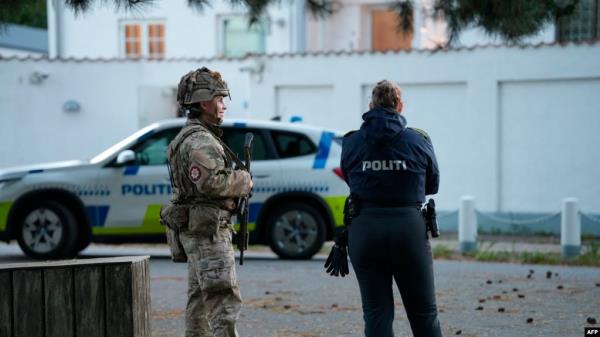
(54, 16)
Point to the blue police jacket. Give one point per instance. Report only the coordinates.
(387, 163)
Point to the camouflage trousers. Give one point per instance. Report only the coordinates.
(214, 299)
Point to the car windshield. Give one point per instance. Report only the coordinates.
(140, 134)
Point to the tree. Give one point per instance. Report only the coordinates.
(510, 20)
(25, 12)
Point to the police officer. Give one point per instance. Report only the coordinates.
(205, 188)
(390, 168)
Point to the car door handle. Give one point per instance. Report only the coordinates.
(261, 176)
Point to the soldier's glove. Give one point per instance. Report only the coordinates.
(337, 261)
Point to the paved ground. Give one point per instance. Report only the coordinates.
(297, 299)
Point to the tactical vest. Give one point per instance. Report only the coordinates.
(184, 192)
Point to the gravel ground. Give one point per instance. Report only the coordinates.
(297, 299)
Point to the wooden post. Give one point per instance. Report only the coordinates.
(6, 310)
(93, 298)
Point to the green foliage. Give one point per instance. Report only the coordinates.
(489, 256)
(25, 12)
(405, 11)
(511, 20)
(590, 255)
(442, 252)
(540, 258)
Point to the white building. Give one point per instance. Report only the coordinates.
(171, 29)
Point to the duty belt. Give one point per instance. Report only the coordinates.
(372, 204)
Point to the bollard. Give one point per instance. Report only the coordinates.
(467, 225)
(570, 228)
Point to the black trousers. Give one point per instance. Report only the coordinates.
(386, 245)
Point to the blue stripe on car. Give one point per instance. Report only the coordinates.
(97, 215)
(131, 170)
(253, 211)
(239, 125)
(36, 171)
(323, 153)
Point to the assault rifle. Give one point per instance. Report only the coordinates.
(242, 211)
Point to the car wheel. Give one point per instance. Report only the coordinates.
(47, 230)
(296, 231)
(83, 241)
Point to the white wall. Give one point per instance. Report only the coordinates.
(560, 159)
(10, 52)
(34, 126)
(116, 98)
(515, 127)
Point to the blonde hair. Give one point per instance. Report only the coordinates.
(386, 94)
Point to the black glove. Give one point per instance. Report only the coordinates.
(337, 261)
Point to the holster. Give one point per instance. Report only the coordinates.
(429, 214)
(351, 209)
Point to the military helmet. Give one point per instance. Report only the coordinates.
(200, 85)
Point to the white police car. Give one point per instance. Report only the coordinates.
(55, 210)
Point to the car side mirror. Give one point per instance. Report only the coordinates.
(125, 157)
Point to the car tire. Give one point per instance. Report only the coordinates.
(47, 230)
(83, 241)
(295, 231)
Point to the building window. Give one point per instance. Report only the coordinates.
(156, 40)
(582, 25)
(240, 39)
(384, 35)
(144, 39)
(133, 40)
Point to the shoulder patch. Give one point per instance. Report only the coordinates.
(421, 132)
(350, 133)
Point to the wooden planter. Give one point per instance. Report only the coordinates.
(106, 297)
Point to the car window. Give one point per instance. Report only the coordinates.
(153, 150)
(290, 144)
(235, 138)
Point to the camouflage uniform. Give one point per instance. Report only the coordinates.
(205, 186)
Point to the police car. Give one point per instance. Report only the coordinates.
(55, 210)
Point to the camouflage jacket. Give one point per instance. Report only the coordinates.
(201, 171)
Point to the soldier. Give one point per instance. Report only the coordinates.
(390, 168)
(205, 190)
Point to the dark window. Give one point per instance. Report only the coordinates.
(153, 150)
(582, 25)
(291, 144)
(235, 138)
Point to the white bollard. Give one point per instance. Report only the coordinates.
(570, 228)
(467, 225)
